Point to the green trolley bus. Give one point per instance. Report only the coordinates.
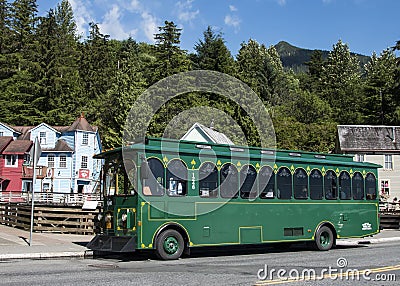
(169, 196)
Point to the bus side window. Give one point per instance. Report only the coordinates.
(330, 183)
(153, 184)
(370, 186)
(248, 175)
(316, 185)
(229, 181)
(284, 183)
(358, 186)
(176, 178)
(344, 186)
(208, 180)
(300, 179)
(266, 182)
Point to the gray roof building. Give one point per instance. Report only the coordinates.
(201, 133)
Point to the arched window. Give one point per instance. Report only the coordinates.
(176, 180)
(248, 184)
(370, 186)
(300, 182)
(284, 183)
(229, 181)
(344, 186)
(358, 186)
(316, 185)
(154, 184)
(266, 182)
(208, 180)
(330, 185)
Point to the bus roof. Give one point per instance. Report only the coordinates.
(192, 147)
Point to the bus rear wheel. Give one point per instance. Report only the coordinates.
(324, 238)
(169, 245)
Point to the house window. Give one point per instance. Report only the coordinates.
(84, 162)
(385, 187)
(63, 161)
(11, 160)
(360, 158)
(1, 133)
(42, 138)
(27, 159)
(85, 139)
(388, 162)
(50, 161)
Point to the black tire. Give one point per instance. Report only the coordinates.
(324, 239)
(169, 245)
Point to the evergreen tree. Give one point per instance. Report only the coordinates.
(315, 68)
(20, 83)
(60, 56)
(170, 58)
(97, 70)
(341, 77)
(212, 53)
(380, 103)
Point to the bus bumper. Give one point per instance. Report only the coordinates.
(108, 243)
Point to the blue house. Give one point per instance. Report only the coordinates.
(66, 164)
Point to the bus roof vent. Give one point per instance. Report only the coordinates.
(201, 146)
(236, 149)
(295, 154)
(267, 152)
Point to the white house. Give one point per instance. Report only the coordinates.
(375, 144)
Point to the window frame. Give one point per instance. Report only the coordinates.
(85, 139)
(284, 186)
(84, 162)
(43, 137)
(264, 188)
(317, 187)
(11, 160)
(233, 181)
(300, 191)
(345, 193)
(367, 193)
(206, 182)
(180, 179)
(354, 188)
(245, 180)
(388, 162)
(51, 162)
(154, 185)
(333, 187)
(62, 163)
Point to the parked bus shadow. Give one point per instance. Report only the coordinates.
(219, 251)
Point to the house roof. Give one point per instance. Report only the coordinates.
(61, 146)
(81, 124)
(12, 129)
(213, 135)
(4, 141)
(18, 147)
(368, 138)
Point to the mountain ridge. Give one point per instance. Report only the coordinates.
(295, 58)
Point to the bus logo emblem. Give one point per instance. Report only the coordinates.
(366, 226)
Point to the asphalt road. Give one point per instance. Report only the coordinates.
(224, 266)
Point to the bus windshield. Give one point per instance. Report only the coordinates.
(120, 178)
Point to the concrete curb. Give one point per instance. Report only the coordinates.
(378, 240)
(48, 255)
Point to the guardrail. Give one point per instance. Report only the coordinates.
(50, 198)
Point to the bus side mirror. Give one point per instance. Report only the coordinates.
(144, 170)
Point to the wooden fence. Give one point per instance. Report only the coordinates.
(60, 219)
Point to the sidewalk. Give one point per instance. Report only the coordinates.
(14, 243)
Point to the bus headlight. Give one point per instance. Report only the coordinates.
(108, 220)
(124, 217)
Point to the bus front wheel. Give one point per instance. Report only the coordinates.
(324, 238)
(169, 245)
